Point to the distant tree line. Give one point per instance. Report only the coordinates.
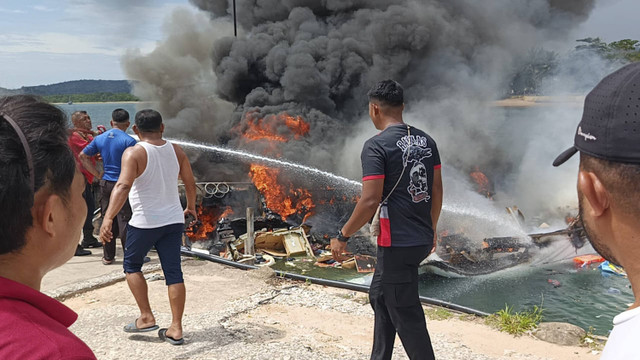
(94, 97)
(79, 87)
(73, 88)
(539, 64)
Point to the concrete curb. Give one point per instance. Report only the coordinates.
(66, 292)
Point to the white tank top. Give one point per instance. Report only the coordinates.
(154, 195)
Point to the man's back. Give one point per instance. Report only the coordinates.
(407, 216)
(154, 194)
(110, 145)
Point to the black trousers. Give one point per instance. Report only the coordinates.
(119, 227)
(89, 199)
(396, 304)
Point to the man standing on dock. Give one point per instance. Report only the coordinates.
(111, 145)
(608, 139)
(149, 177)
(401, 172)
(81, 136)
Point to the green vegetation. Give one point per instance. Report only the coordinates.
(530, 70)
(93, 97)
(468, 317)
(592, 341)
(623, 50)
(438, 313)
(515, 323)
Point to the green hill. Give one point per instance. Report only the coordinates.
(79, 91)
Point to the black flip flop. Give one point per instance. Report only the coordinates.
(162, 334)
(133, 328)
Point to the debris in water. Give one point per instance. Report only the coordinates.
(555, 283)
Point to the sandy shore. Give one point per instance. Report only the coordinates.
(107, 102)
(235, 314)
(531, 101)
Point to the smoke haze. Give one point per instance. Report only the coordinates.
(317, 59)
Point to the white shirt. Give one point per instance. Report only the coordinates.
(623, 340)
(154, 197)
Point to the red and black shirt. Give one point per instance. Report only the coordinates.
(405, 218)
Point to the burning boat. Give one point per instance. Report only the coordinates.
(457, 256)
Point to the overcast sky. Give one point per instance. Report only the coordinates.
(49, 41)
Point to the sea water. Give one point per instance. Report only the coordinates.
(101, 112)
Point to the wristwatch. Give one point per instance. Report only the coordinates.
(341, 237)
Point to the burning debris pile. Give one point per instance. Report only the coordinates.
(280, 231)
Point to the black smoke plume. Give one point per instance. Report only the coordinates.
(317, 58)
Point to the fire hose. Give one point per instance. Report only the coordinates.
(326, 282)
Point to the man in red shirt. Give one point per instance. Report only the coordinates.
(81, 136)
(41, 214)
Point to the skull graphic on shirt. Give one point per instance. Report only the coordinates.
(418, 184)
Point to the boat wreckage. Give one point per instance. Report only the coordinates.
(458, 256)
(263, 237)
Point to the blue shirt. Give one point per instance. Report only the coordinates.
(110, 145)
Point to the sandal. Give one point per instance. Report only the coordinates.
(162, 334)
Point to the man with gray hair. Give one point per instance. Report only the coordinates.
(608, 139)
(81, 136)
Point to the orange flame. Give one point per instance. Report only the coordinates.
(209, 217)
(482, 183)
(271, 127)
(280, 195)
(285, 200)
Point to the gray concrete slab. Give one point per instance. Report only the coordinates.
(80, 269)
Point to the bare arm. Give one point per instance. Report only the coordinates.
(186, 174)
(436, 202)
(128, 173)
(88, 165)
(363, 212)
(366, 206)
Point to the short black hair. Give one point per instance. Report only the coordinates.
(387, 92)
(120, 115)
(620, 179)
(45, 129)
(148, 120)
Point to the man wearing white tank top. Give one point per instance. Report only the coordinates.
(149, 178)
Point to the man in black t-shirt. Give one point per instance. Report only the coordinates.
(401, 168)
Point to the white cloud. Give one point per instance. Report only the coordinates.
(11, 11)
(55, 43)
(42, 8)
(73, 39)
(28, 69)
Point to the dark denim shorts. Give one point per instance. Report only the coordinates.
(167, 240)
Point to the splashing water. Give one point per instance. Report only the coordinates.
(453, 208)
(354, 184)
(486, 216)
